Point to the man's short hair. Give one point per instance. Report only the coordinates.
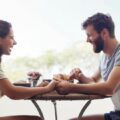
(99, 22)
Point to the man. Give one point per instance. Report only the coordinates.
(100, 33)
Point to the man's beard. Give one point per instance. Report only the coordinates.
(99, 44)
(1, 51)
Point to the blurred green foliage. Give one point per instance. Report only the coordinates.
(80, 54)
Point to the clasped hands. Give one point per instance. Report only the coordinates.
(64, 86)
(61, 82)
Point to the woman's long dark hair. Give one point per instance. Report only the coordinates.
(4, 31)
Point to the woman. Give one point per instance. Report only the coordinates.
(6, 44)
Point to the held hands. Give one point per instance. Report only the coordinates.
(63, 87)
(60, 82)
(51, 86)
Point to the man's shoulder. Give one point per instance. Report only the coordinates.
(117, 53)
(118, 48)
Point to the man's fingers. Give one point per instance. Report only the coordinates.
(80, 74)
(72, 76)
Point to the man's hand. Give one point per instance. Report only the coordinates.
(63, 87)
(75, 73)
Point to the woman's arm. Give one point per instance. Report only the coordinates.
(17, 92)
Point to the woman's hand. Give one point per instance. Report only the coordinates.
(57, 77)
(51, 85)
(60, 77)
(43, 84)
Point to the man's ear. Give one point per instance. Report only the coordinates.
(105, 33)
(0, 40)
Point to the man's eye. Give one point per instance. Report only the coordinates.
(11, 37)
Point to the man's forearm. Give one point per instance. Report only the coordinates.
(95, 88)
(86, 80)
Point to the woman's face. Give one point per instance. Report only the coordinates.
(7, 43)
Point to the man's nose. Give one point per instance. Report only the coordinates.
(14, 43)
(88, 40)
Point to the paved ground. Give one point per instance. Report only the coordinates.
(66, 109)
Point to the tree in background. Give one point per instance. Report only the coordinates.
(78, 55)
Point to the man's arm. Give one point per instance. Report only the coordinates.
(93, 79)
(104, 88)
(76, 73)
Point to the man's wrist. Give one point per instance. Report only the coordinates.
(71, 87)
(80, 77)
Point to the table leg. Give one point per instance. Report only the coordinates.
(83, 109)
(55, 108)
(38, 109)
